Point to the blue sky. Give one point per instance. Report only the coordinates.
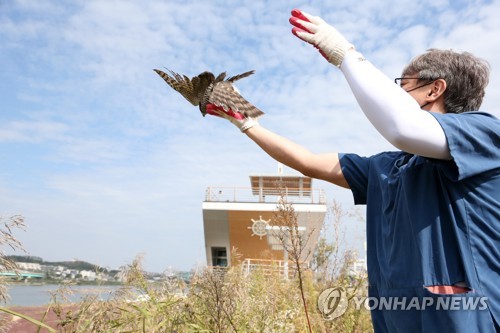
(105, 161)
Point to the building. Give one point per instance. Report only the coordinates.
(238, 222)
(29, 266)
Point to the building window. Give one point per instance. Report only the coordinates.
(219, 256)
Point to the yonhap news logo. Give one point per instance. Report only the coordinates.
(333, 303)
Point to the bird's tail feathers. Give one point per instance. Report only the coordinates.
(240, 76)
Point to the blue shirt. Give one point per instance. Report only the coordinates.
(434, 222)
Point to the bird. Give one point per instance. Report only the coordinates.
(206, 88)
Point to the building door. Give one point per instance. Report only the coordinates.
(219, 256)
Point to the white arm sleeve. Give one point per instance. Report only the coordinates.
(394, 113)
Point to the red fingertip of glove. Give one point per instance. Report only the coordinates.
(296, 30)
(235, 115)
(298, 14)
(212, 108)
(295, 22)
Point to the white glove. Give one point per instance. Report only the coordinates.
(312, 29)
(236, 118)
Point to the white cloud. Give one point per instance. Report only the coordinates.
(33, 132)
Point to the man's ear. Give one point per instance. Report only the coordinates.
(437, 90)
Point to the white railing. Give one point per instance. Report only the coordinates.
(282, 268)
(244, 194)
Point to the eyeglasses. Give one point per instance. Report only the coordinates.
(399, 79)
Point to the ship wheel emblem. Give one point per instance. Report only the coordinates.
(259, 227)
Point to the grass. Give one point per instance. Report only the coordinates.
(215, 301)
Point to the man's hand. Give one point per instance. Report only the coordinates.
(239, 120)
(312, 29)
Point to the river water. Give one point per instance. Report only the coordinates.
(35, 295)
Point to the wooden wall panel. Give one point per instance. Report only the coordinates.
(240, 236)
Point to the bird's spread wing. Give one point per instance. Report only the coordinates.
(192, 89)
(225, 96)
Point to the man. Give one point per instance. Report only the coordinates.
(433, 208)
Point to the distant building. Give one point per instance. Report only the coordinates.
(242, 219)
(29, 266)
(88, 275)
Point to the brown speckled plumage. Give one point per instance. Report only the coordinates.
(206, 88)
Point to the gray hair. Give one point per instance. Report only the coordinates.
(466, 77)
